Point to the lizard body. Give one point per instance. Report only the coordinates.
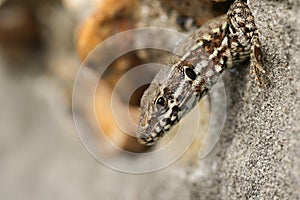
(222, 43)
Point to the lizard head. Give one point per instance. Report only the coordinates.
(163, 104)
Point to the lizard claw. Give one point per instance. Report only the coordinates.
(255, 62)
(257, 70)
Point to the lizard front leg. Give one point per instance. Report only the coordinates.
(255, 60)
(244, 38)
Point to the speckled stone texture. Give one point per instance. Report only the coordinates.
(257, 155)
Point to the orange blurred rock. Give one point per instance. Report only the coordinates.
(109, 123)
(110, 17)
(200, 10)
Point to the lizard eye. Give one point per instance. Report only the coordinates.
(161, 101)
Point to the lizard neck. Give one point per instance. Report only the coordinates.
(206, 57)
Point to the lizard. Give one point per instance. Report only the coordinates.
(222, 43)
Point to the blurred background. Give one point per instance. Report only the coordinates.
(41, 155)
(42, 44)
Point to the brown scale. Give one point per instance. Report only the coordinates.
(215, 41)
(222, 55)
(208, 47)
(188, 62)
(217, 38)
(200, 89)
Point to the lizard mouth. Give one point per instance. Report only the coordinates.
(148, 135)
(147, 139)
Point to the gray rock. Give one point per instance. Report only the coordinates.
(257, 155)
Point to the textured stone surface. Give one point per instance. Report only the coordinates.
(257, 155)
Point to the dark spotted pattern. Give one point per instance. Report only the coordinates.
(221, 43)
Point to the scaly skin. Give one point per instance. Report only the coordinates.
(222, 43)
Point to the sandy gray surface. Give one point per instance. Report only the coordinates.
(256, 157)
